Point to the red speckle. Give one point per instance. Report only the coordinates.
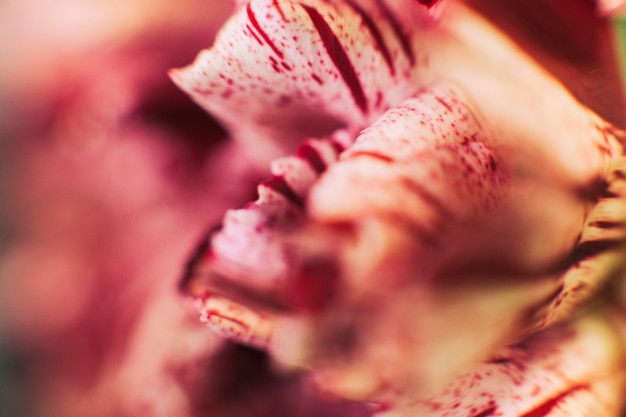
(544, 409)
(378, 39)
(487, 412)
(259, 29)
(338, 56)
(278, 184)
(317, 79)
(312, 156)
(444, 104)
(275, 66)
(395, 26)
(254, 35)
(280, 10)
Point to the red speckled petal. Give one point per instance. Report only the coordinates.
(428, 192)
(281, 71)
(569, 371)
(434, 166)
(441, 236)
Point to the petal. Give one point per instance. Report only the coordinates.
(440, 237)
(281, 71)
(598, 256)
(572, 370)
(248, 260)
(427, 193)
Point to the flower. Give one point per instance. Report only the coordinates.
(114, 175)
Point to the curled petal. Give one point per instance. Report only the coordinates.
(248, 259)
(599, 254)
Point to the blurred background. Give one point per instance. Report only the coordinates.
(108, 175)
